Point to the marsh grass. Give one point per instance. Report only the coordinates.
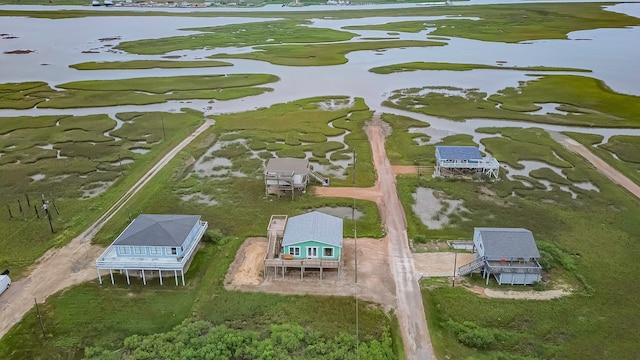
(594, 232)
(88, 159)
(242, 211)
(624, 147)
(147, 64)
(320, 54)
(415, 66)
(588, 101)
(136, 91)
(236, 35)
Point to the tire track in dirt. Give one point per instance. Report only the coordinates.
(409, 306)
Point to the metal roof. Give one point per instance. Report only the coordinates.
(158, 230)
(458, 153)
(508, 242)
(313, 226)
(277, 165)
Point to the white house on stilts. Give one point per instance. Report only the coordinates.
(464, 161)
(154, 243)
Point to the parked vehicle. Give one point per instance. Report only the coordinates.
(5, 281)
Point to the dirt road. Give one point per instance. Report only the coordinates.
(409, 307)
(74, 263)
(410, 310)
(606, 169)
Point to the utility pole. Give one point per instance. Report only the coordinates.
(46, 209)
(455, 261)
(28, 202)
(164, 134)
(39, 317)
(9, 210)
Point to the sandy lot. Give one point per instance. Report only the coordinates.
(375, 282)
(439, 263)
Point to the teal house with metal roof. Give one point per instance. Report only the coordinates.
(314, 235)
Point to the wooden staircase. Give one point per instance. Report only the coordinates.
(472, 266)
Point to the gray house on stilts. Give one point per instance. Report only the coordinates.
(509, 254)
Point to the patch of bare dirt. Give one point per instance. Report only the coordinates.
(439, 263)
(404, 169)
(523, 295)
(375, 282)
(371, 194)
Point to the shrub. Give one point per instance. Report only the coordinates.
(422, 239)
(471, 334)
(538, 286)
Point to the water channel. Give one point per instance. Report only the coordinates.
(607, 52)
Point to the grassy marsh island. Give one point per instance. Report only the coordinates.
(321, 54)
(147, 64)
(415, 66)
(579, 101)
(136, 91)
(238, 35)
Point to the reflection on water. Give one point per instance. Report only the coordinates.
(607, 53)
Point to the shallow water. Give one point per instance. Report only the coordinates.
(607, 52)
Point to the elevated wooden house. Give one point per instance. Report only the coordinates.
(509, 254)
(464, 161)
(288, 175)
(162, 243)
(308, 241)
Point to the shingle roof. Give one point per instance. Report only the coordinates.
(509, 243)
(158, 230)
(298, 166)
(459, 152)
(313, 226)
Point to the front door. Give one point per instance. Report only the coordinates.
(312, 252)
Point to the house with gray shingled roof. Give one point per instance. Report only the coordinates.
(162, 243)
(509, 254)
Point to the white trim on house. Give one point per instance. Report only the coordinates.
(294, 250)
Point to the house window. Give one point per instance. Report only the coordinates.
(294, 250)
(155, 250)
(327, 252)
(174, 251)
(125, 251)
(138, 250)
